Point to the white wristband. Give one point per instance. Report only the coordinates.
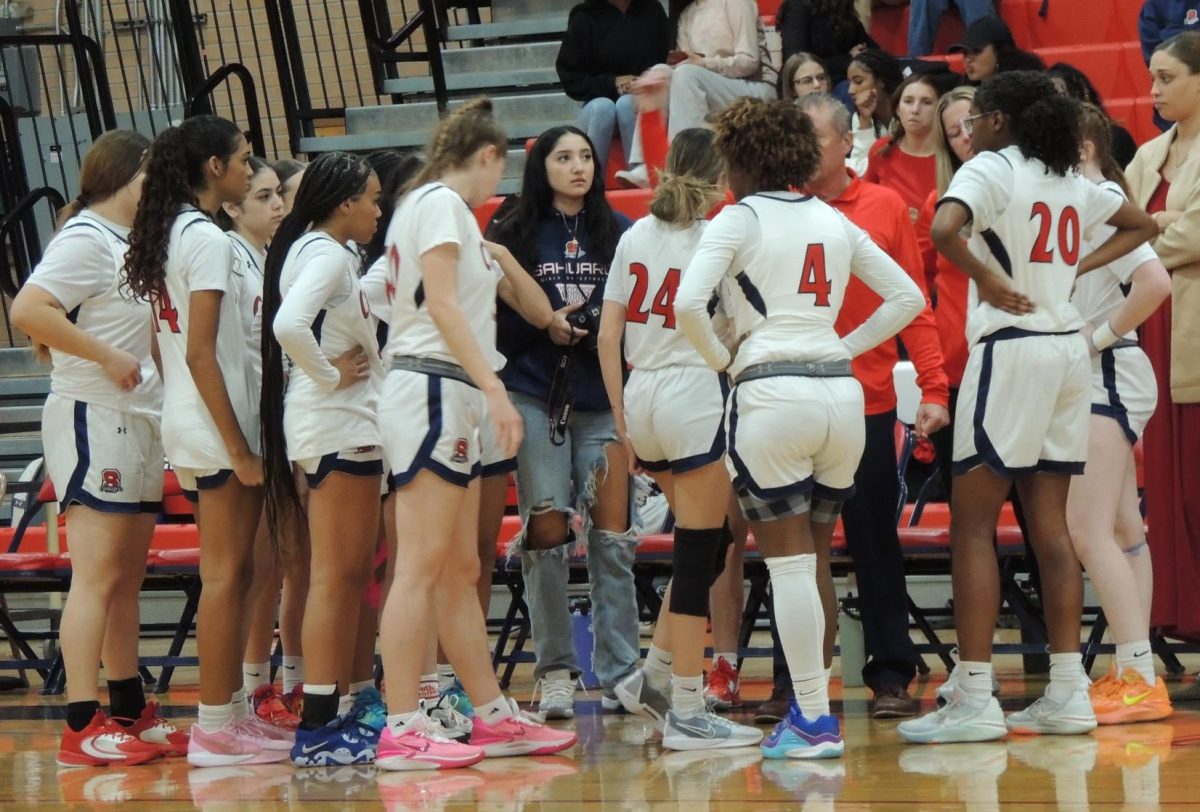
(1103, 337)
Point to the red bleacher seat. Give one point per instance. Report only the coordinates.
(26, 562)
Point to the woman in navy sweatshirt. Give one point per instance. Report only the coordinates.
(608, 44)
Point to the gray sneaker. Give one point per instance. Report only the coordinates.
(1073, 717)
(956, 721)
(610, 702)
(637, 696)
(707, 732)
(558, 695)
(455, 725)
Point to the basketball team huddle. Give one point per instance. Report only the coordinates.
(255, 365)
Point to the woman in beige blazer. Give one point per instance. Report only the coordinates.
(1164, 178)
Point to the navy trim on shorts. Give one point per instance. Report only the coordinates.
(753, 297)
(74, 494)
(1010, 333)
(829, 494)
(985, 452)
(331, 462)
(207, 483)
(714, 453)
(744, 481)
(507, 466)
(1115, 409)
(424, 459)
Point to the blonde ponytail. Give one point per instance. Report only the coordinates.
(690, 184)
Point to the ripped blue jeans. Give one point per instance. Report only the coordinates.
(562, 478)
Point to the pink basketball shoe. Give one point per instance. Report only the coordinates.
(519, 735)
(420, 745)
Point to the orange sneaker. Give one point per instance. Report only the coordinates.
(1131, 699)
(723, 691)
(270, 706)
(153, 728)
(103, 742)
(293, 700)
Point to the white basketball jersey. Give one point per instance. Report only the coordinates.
(249, 265)
(200, 257)
(789, 258)
(644, 278)
(323, 314)
(82, 269)
(430, 216)
(1099, 293)
(1030, 226)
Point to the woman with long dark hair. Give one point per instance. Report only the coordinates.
(1021, 326)
(323, 421)
(830, 29)
(183, 263)
(874, 75)
(103, 451)
(563, 230)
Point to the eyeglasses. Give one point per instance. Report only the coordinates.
(968, 123)
(814, 80)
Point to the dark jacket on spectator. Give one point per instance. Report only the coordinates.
(801, 30)
(601, 44)
(1162, 19)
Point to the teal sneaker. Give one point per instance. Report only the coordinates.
(455, 697)
(369, 709)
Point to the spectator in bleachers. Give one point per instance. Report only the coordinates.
(904, 159)
(1162, 19)
(720, 56)
(869, 516)
(802, 74)
(571, 462)
(988, 48)
(829, 29)
(1164, 178)
(1073, 82)
(925, 17)
(874, 76)
(608, 44)
(949, 284)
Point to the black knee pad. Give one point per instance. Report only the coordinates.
(722, 552)
(694, 560)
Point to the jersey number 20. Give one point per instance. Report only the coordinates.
(1068, 235)
(664, 301)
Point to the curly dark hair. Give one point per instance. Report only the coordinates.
(1076, 83)
(771, 142)
(517, 228)
(174, 176)
(1045, 124)
(328, 181)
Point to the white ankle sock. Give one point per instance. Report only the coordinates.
(800, 622)
(428, 690)
(445, 677)
(495, 711)
(398, 720)
(255, 675)
(974, 680)
(293, 672)
(1066, 675)
(345, 703)
(1136, 655)
(657, 667)
(687, 696)
(214, 717)
(241, 705)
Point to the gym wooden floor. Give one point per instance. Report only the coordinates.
(618, 764)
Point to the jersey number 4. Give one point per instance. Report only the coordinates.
(813, 278)
(164, 310)
(1068, 235)
(664, 301)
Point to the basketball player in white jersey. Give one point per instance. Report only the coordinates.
(794, 419)
(441, 386)
(683, 450)
(183, 263)
(1023, 406)
(103, 452)
(1102, 506)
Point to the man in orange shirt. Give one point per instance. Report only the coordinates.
(869, 517)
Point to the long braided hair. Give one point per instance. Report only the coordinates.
(328, 181)
(174, 176)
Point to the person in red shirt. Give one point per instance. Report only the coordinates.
(869, 517)
(904, 160)
(949, 284)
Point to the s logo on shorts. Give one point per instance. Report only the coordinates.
(460, 450)
(110, 481)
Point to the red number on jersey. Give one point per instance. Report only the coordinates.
(663, 303)
(165, 311)
(813, 279)
(394, 265)
(1068, 235)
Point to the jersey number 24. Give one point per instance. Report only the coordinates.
(663, 303)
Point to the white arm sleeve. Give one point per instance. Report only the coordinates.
(902, 299)
(317, 281)
(723, 241)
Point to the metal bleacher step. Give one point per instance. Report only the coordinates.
(540, 25)
(483, 81)
(487, 69)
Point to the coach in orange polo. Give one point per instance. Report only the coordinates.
(869, 517)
